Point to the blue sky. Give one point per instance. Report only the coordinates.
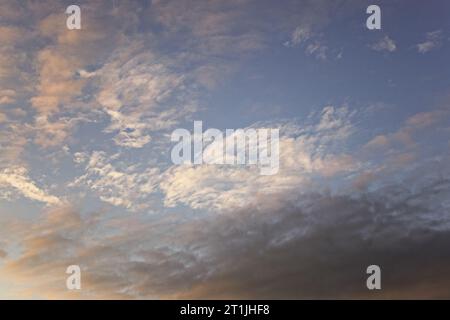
(86, 176)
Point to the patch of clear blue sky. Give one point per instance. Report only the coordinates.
(292, 84)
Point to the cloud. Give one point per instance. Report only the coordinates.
(127, 187)
(308, 28)
(143, 95)
(309, 40)
(221, 28)
(306, 153)
(17, 179)
(299, 35)
(414, 124)
(378, 141)
(12, 12)
(313, 155)
(14, 73)
(65, 53)
(47, 76)
(12, 144)
(308, 245)
(347, 195)
(425, 119)
(57, 84)
(384, 44)
(51, 133)
(86, 74)
(432, 41)
(7, 96)
(318, 50)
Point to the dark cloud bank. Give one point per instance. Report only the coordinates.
(315, 245)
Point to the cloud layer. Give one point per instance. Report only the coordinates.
(86, 176)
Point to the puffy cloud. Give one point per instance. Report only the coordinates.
(384, 44)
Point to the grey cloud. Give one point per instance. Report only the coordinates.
(312, 246)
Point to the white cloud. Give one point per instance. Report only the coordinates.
(317, 49)
(86, 74)
(432, 41)
(127, 187)
(299, 35)
(141, 94)
(385, 44)
(306, 152)
(17, 178)
(309, 40)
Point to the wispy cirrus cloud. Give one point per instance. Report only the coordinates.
(127, 187)
(299, 35)
(16, 180)
(433, 40)
(411, 127)
(309, 40)
(141, 94)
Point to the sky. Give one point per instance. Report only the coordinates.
(86, 176)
